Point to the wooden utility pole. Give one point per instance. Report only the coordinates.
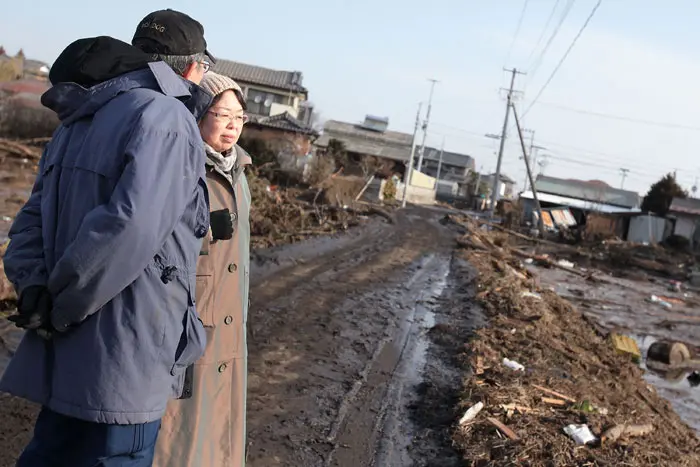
(421, 152)
(409, 170)
(529, 172)
(623, 173)
(495, 191)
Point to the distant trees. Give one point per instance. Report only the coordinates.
(658, 199)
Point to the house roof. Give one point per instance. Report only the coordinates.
(388, 144)
(243, 73)
(586, 191)
(450, 158)
(284, 121)
(25, 86)
(504, 178)
(36, 66)
(578, 203)
(685, 206)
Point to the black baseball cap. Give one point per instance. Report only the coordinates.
(171, 32)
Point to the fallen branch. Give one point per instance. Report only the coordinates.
(554, 393)
(504, 429)
(618, 431)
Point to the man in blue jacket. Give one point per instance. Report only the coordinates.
(103, 254)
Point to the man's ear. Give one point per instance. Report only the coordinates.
(190, 72)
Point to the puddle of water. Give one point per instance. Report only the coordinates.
(625, 308)
(673, 387)
(397, 427)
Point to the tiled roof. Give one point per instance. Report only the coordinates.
(243, 73)
(28, 86)
(583, 190)
(450, 158)
(685, 206)
(389, 144)
(504, 178)
(285, 122)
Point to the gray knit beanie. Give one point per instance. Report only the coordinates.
(216, 84)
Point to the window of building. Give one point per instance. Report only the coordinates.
(260, 102)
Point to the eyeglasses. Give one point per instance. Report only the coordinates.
(239, 120)
(205, 65)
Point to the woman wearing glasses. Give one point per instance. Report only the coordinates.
(206, 427)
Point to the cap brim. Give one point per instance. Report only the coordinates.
(211, 57)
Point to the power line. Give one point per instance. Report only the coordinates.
(601, 156)
(536, 64)
(544, 30)
(623, 118)
(568, 51)
(517, 30)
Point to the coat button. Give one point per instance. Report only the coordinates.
(222, 368)
(232, 267)
(228, 320)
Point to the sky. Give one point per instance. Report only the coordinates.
(626, 96)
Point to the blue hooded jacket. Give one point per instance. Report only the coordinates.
(113, 228)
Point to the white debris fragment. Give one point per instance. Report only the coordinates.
(581, 434)
(471, 413)
(531, 295)
(513, 365)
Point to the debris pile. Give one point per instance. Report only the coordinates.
(554, 390)
(280, 216)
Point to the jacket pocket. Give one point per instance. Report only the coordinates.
(193, 339)
(204, 292)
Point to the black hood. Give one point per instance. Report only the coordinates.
(94, 60)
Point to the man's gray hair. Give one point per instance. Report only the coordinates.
(179, 63)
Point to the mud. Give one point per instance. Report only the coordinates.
(336, 349)
(352, 344)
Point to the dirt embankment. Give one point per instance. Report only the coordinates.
(572, 375)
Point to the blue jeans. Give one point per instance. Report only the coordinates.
(61, 441)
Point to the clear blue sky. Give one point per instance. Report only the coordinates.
(636, 59)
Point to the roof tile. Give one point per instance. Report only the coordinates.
(287, 80)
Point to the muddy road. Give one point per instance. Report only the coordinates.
(351, 349)
(338, 349)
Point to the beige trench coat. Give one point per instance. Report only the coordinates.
(208, 429)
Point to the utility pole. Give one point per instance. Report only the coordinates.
(540, 222)
(425, 125)
(478, 181)
(543, 163)
(624, 173)
(532, 145)
(497, 176)
(409, 170)
(442, 150)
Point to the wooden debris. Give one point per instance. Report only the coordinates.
(554, 393)
(503, 428)
(619, 431)
(557, 402)
(511, 408)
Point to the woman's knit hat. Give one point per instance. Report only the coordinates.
(216, 84)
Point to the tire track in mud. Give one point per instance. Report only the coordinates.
(326, 343)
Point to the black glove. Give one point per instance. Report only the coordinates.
(221, 224)
(34, 310)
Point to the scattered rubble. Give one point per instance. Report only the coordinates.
(574, 376)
